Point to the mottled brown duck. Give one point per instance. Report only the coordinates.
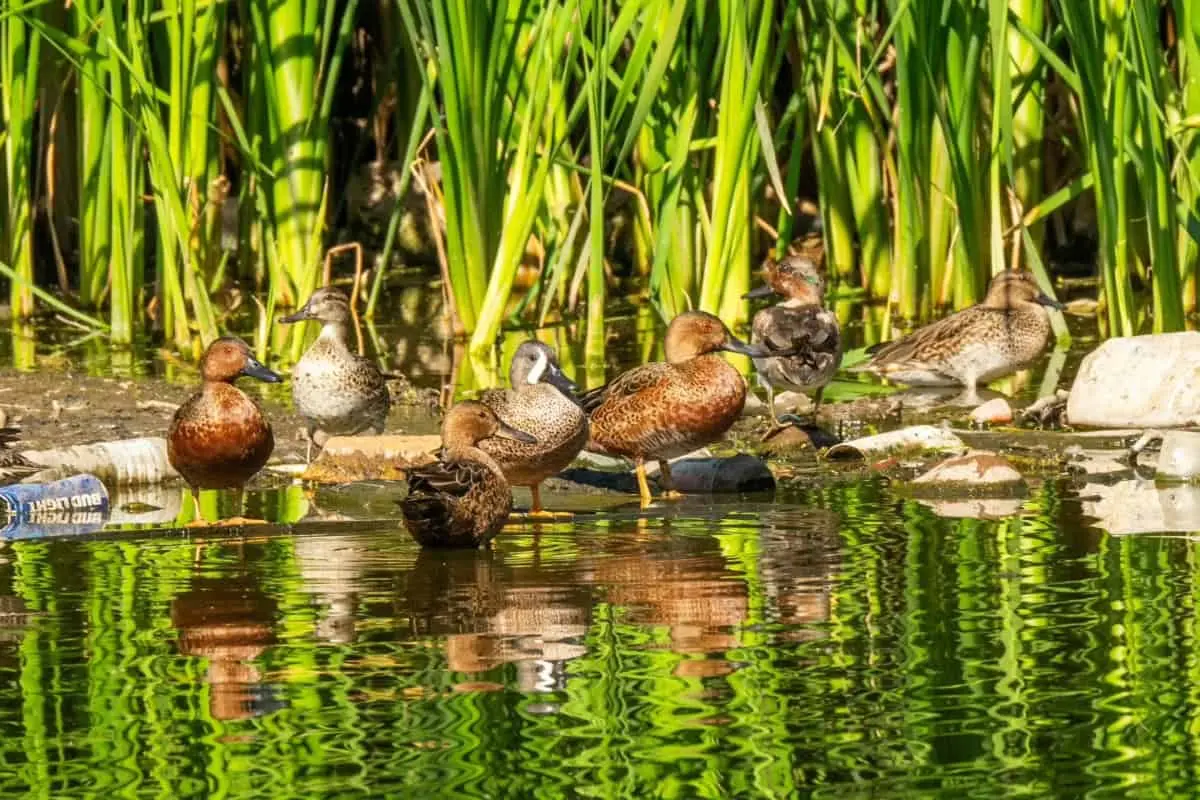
(542, 403)
(462, 499)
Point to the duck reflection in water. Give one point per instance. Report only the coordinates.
(798, 564)
(493, 613)
(684, 584)
(230, 622)
(333, 567)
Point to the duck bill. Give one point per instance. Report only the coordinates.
(509, 432)
(255, 369)
(761, 291)
(299, 316)
(560, 381)
(1049, 302)
(736, 345)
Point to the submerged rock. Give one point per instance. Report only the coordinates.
(977, 469)
(1144, 381)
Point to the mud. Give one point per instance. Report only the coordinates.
(57, 409)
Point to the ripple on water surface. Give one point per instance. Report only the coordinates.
(840, 642)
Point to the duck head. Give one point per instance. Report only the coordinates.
(1010, 289)
(694, 333)
(228, 358)
(468, 423)
(795, 277)
(327, 306)
(535, 363)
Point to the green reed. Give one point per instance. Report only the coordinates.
(20, 49)
(601, 151)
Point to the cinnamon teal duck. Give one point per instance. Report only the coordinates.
(800, 323)
(663, 410)
(1005, 332)
(336, 391)
(219, 438)
(462, 499)
(542, 403)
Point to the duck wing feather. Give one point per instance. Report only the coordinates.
(931, 341)
(629, 383)
(447, 477)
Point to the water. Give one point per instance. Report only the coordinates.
(834, 642)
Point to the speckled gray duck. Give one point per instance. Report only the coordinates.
(336, 391)
(462, 499)
(1008, 330)
(542, 403)
(800, 323)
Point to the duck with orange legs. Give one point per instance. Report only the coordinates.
(219, 438)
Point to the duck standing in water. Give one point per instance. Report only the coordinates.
(541, 402)
(462, 499)
(219, 438)
(663, 410)
(336, 391)
(997, 337)
(800, 323)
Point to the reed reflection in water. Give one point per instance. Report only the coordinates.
(841, 641)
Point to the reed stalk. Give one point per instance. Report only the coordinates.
(20, 49)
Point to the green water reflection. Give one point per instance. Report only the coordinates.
(834, 643)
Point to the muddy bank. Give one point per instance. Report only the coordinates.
(58, 409)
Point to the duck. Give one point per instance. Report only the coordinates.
(994, 338)
(541, 402)
(462, 499)
(219, 438)
(801, 322)
(335, 390)
(666, 409)
(14, 467)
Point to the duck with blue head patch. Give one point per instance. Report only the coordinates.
(542, 403)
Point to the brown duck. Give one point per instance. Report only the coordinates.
(1008, 330)
(663, 410)
(219, 438)
(542, 403)
(462, 499)
(800, 323)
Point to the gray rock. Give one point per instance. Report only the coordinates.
(1146, 381)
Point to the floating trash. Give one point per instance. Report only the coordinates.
(66, 507)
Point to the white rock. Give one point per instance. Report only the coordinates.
(996, 411)
(1148, 381)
